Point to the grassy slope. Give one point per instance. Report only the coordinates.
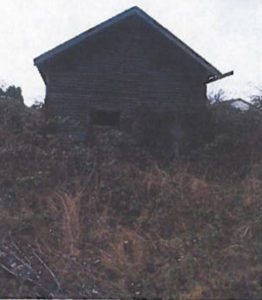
(113, 221)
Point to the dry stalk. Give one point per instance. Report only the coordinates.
(48, 269)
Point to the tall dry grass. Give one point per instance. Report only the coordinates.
(113, 224)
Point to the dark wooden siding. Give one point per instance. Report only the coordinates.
(127, 64)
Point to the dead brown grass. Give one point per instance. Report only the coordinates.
(109, 226)
(66, 208)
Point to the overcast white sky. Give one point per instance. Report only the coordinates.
(227, 33)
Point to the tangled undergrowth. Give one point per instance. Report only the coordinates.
(112, 221)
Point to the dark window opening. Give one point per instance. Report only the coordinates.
(106, 118)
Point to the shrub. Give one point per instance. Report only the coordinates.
(236, 141)
(110, 220)
(168, 134)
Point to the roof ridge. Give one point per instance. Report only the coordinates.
(134, 7)
(137, 10)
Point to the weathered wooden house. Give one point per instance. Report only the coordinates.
(101, 75)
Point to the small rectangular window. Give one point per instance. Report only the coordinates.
(105, 118)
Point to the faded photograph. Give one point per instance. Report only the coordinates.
(131, 149)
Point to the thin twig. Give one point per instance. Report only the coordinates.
(48, 269)
(27, 279)
(7, 270)
(20, 251)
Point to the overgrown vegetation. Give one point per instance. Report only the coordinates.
(113, 220)
(11, 92)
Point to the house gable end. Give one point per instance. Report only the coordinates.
(135, 11)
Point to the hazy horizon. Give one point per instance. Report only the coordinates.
(226, 33)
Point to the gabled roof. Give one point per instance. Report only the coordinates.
(238, 103)
(132, 11)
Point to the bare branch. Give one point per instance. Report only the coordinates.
(48, 269)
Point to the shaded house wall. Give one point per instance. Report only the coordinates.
(126, 64)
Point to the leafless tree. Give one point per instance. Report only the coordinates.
(218, 96)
